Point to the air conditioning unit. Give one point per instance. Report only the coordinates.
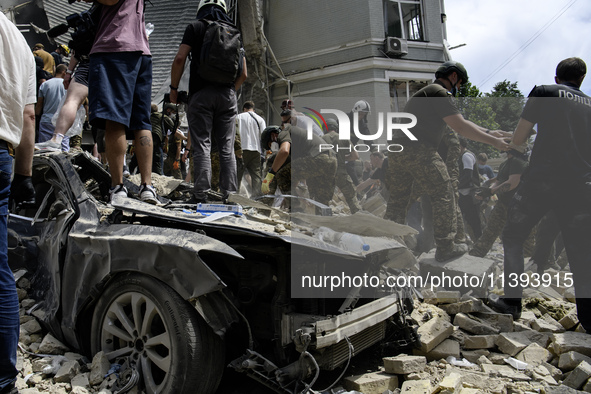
(396, 46)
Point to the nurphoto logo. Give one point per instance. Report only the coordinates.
(396, 125)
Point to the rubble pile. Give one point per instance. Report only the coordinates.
(465, 347)
(46, 365)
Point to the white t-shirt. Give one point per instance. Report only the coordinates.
(250, 126)
(17, 81)
(468, 161)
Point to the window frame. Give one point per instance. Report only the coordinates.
(406, 26)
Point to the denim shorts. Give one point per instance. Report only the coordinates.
(120, 89)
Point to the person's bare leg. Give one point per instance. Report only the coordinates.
(75, 96)
(116, 145)
(143, 152)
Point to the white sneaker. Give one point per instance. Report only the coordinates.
(117, 191)
(48, 145)
(148, 194)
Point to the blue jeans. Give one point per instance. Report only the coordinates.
(9, 318)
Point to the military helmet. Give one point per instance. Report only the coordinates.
(219, 3)
(449, 67)
(266, 135)
(332, 124)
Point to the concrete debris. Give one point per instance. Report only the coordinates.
(463, 346)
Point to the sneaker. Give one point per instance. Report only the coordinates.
(148, 194)
(509, 306)
(456, 251)
(48, 145)
(117, 191)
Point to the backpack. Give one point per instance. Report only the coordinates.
(220, 60)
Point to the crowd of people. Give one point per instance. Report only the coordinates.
(112, 79)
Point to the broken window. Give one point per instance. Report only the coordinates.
(402, 91)
(403, 19)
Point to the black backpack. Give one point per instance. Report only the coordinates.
(220, 60)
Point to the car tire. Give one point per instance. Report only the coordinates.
(144, 320)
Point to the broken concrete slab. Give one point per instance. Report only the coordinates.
(447, 348)
(50, 345)
(579, 376)
(447, 296)
(67, 372)
(425, 312)
(462, 307)
(570, 320)
(562, 389)
(569, 360)
(474, 355)
(371, 383)
(452, 383)
(99, 368)
(479, 341)
(474, 325)
(404, 364)
(534, 354)
(504, 322)
(571, 341)
(547, 324)
(416, 387)
(504, 371)
(463, 274)
(514, 342)
(433, 333)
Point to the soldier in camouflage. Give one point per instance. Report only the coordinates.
(344, 153)
(420, 163)
(308, 161)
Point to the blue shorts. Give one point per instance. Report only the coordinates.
(120, 90)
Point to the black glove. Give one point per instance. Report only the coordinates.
(484, 192)
(22, 191)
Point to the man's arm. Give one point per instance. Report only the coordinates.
(473, 132)
(522, 132)
(39, 106)
(508, 185)
(242, 76)
(282, 156)
(23, 163)
(176, 71)
(365, 184)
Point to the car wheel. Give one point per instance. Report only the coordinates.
(142, 319)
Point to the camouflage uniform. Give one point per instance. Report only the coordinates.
(76, 143)
(173, 145)
(452, 142)
(343, 181)
(422, 165)
(494, 228)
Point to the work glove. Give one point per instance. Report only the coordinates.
(22, 191)
(266, 183)
(175, 165)
(484, 192)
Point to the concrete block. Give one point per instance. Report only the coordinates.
(569, 360)
(527, 317)
(579, 376)
(571, 341)
(547, 324)
(534, 354)
(504, 371)
(587, 386)
(404, 364)
(416, 387)
(518, 326)
(100, 366)
(470, 391)
(571, 320)
(67, 372)
(433, 333)
(498, 358)
(371, 383)
(483, 360)
(512, 343)
(447, 348)
(467, 271)
(474, 325)
(50, 345)
(562, 389)
(474, 355)
(462, 307)
(503, 322)
(479, 341)
(452, 383)
(448, 296)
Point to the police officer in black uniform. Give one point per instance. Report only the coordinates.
(558, 179)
